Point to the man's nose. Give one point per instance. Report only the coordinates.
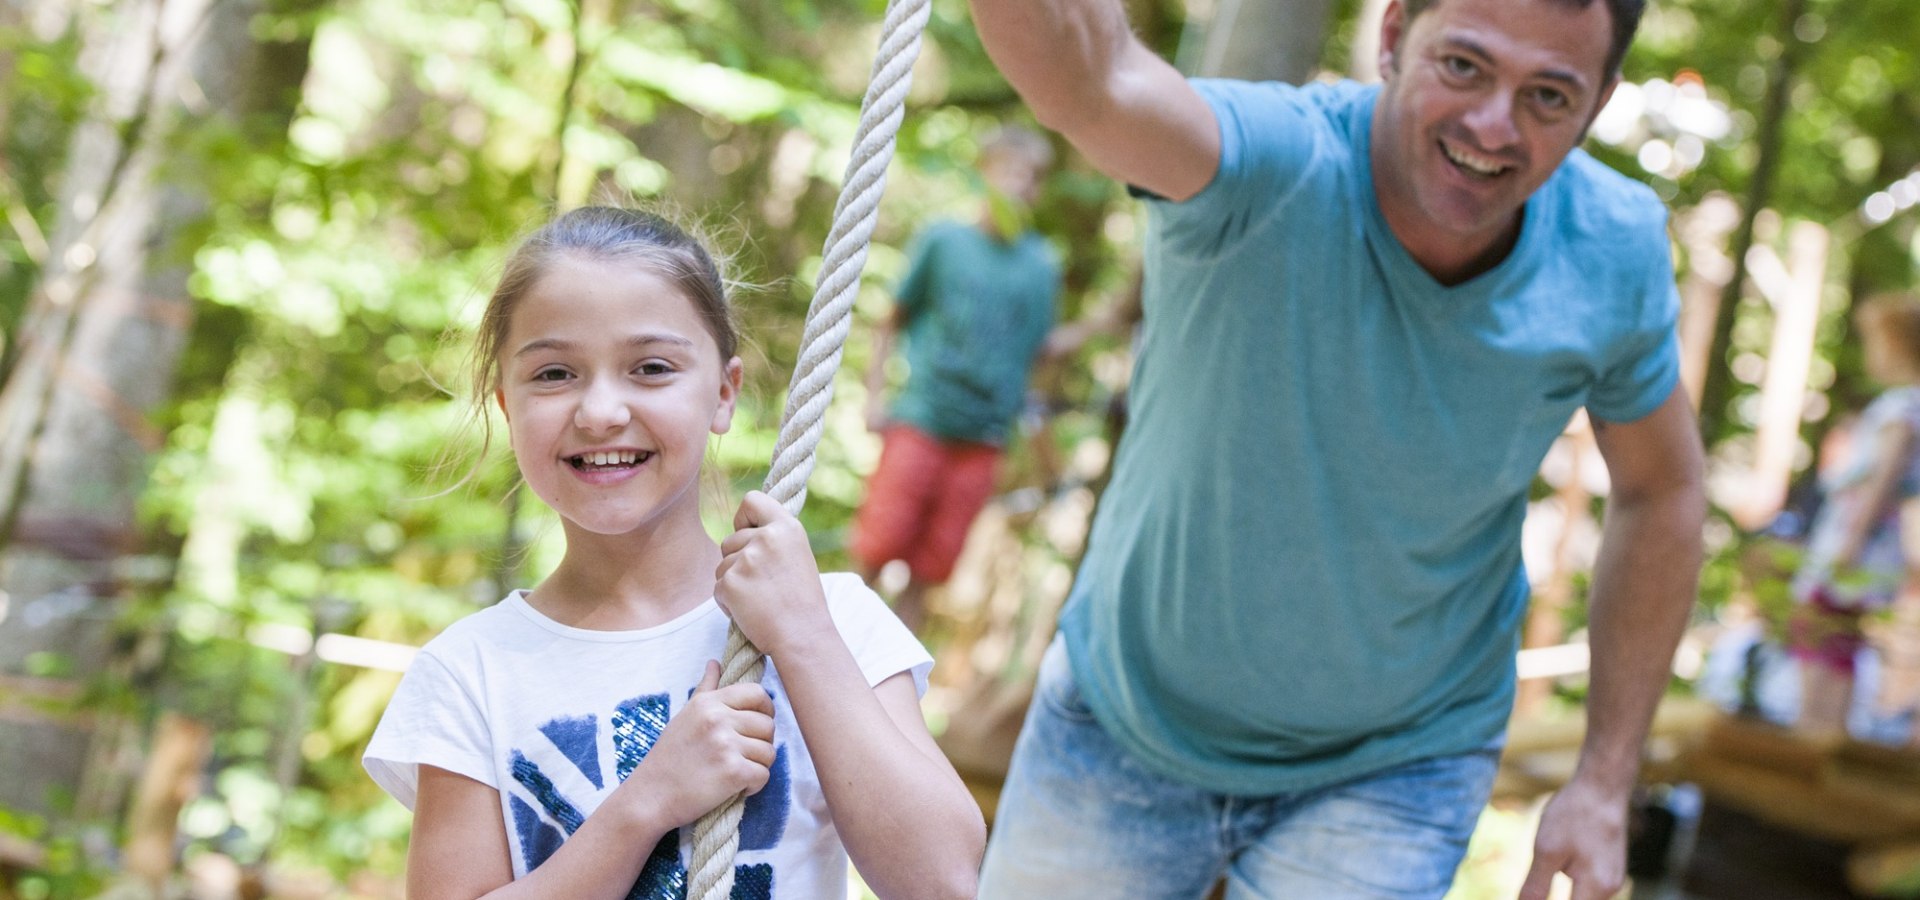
(1491, 121)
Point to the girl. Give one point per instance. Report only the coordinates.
(554, 744)
(1854, 563)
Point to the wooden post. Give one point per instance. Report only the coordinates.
(1795, 291)
(1703, 231)
(172, 777)
(1546, 616)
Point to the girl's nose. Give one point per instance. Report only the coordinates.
(602, 408)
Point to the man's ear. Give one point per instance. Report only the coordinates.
(729, 397)
(1393, 27)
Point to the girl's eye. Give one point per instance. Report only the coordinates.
(552, 374)
(1459, 66)
(654, 367)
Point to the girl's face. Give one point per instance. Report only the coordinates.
(1887, 361)
(611, 383)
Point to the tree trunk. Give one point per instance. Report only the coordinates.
(1783, 394)
(106, 328)
(1717, 389)
(1259, 40)
(1364, 62)
(1554, 593)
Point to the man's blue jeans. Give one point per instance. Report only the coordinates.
(1079, 818)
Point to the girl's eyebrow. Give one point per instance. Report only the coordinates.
(638, 340)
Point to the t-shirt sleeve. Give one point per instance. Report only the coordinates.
(881, 645)
(1269, 135)
(1645, 365)
(432, 720)
(1907, 407)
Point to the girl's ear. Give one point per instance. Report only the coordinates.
(729, 396)
(500, 397)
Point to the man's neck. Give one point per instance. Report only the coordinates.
(992, 229)
(1452, 263)
(1002, 219)
(1450, 258)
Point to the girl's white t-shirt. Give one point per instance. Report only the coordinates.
(555, 717)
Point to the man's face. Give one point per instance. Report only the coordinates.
(1012, 175)
(1483, 100)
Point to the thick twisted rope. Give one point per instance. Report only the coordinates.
(716, 836)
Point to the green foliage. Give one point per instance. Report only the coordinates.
(1847, 134)
(66, 873)
(41, 99)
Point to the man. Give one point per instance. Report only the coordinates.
(976, 306)
(1288, 655)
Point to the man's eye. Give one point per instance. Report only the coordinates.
(1550, 98)
(1460, 66)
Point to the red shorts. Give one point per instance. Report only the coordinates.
(921, 501)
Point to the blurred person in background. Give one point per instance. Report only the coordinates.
(1855, 562)
(976, 307)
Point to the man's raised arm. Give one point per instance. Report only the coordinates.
(1080, 68)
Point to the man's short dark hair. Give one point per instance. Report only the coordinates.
(1624, 13)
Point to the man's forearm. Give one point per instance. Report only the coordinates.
(1079, 68)
(1058, 54)
(1644, 586)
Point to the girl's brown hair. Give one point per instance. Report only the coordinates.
(603, 234)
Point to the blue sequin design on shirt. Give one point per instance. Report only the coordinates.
(576, 738)
(528, 773)
(753, 882)
(634, 728)
(663, 877)
(765, 818)
(538, 840)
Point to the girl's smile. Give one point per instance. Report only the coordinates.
(605, 467)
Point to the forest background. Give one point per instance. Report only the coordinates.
(242, 241)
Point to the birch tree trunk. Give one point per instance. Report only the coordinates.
(1716, 391)
(97, 354)
(1260, 40)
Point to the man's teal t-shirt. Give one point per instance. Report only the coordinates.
(977, 310)
(1307, 565)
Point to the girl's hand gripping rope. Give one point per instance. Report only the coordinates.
(720, 744)
(768, 581)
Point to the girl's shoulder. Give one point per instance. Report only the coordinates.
(844, 584)
(848, 595)
(880, 643)
(484, 627)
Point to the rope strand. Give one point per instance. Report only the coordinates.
(716, 836)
